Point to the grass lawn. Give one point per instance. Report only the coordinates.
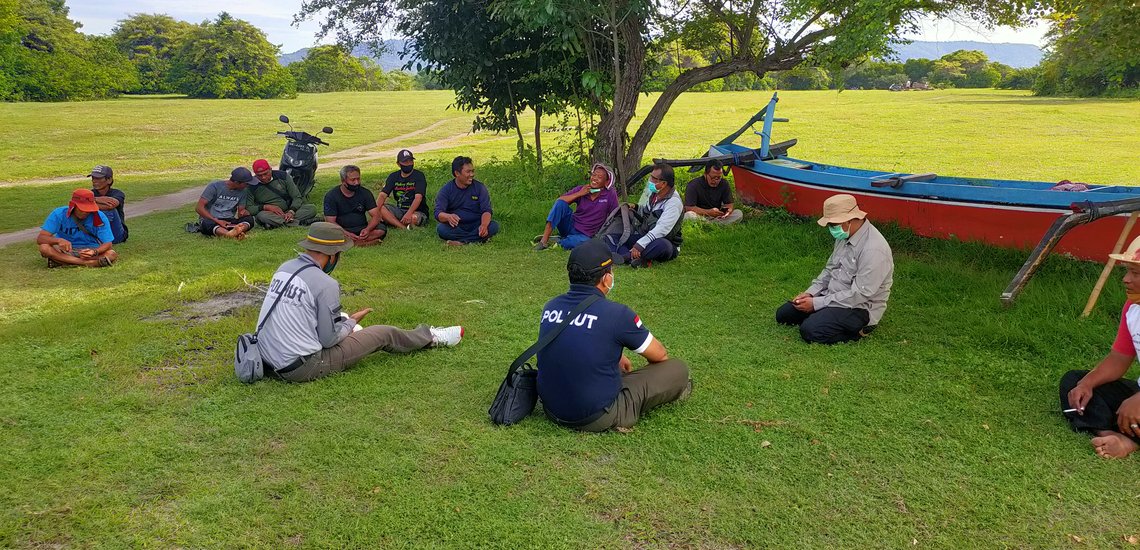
(123, 425)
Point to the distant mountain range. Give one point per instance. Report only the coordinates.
(391, 59)
(1014, 55)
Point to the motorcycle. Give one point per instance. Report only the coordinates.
(299, 159)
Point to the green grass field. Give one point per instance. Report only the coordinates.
(122, 424)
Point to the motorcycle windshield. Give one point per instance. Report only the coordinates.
(297, 155)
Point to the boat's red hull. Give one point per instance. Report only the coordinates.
(998, 225)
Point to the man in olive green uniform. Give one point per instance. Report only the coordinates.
(277, 202)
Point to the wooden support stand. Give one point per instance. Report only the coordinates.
(1109, 264)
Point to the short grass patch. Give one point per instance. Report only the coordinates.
(123, 425)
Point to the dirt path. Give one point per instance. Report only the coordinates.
(188, 196)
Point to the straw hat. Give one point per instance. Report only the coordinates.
(840, 209)
(1131, 255)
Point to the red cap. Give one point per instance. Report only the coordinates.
(261, 165)
(84, 200)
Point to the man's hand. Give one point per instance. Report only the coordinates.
(409, 219)
(360, 314)
(289, 215)
(88, 253)
(63, 245)
(1127, 416)
(805, 304)
(482, 231)
(715, 212)
(625, 364)
(800, 296)
(452, 220)
(635, 253)
(1079, 397)
(273, 209)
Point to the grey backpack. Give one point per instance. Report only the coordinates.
(248, 365)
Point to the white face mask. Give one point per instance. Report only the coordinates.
(610, 288)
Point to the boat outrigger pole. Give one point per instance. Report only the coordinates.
(1082, 213)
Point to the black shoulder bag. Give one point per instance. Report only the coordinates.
(248, 365)
(518, 393)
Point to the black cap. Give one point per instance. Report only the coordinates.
(242, 174)
(590, 257)
(404, 156)
(101, 171)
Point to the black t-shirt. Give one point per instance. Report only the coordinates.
(403, 190)
(700, 194)
(351, 212)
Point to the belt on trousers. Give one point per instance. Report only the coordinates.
(577, 423)
(287, 368)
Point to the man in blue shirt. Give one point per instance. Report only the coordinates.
(77, 234)
(463, 207)
(583, 379)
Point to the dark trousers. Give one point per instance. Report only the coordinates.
(465, 233)
(830, 325)
(1100, 411)
(207, 226)
(658, 250)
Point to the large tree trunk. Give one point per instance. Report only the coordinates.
(629, 71)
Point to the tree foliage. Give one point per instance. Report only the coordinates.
(1094, 49)
(44, 57)
(329, 69)
(229, 58)
(611, 46)
(150, 41)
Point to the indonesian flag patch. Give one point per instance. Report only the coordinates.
(637, 320)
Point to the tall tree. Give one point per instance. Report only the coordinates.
(617, 37)
(229, 58)
(149, 41)
(329, 69)
(1094, 49)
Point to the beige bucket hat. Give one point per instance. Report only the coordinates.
(840, 209)
(1131, 255)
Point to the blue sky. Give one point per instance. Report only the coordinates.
(275, 17)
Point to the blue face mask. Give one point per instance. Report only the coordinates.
(331, 264)
(838, 232)
(652, 187)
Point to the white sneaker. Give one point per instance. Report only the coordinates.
(446, 336)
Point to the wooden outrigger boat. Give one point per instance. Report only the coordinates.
(1004, 213)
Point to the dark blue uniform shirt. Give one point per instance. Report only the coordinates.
(578, 373)
(469, 204)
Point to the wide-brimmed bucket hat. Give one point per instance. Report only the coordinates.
(840, 209)
(326, 238)
(1131, 255)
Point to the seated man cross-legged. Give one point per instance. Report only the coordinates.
(77, 234)
(307, 336)
(221, 208)
(584, 380)
(708, 197)
(1102, 401)
(352, 207)
(848, 298)
(593, 204)
(408, 189)
(463, 207)
(657, 235)
(277, 202)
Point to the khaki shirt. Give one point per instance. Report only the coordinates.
(858, 275)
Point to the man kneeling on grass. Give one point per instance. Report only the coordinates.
(583, 379)
(1101, 401)
(221, 208)
(307, 337)
(848, 298)
(77, 234)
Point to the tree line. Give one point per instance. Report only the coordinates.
(44, 57)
